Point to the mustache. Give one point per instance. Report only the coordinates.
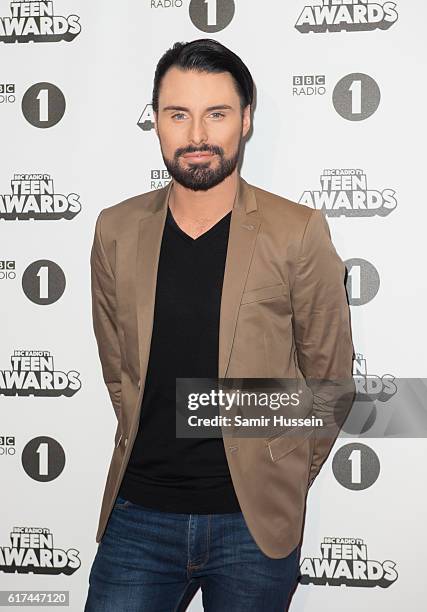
(205, 148)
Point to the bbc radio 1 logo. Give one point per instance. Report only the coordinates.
(355, 96)
(43, 104)
(35, 21)
(7, 446)
(206, 15)
(309, 85)
(347, 15)
(31, 551)
(7, 93)
(43, 457)
(43, 281)
(344, 192)
(346, 561)
(33, 373)
(159, 179)
(33, 196)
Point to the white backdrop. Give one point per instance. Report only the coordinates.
(75, 108)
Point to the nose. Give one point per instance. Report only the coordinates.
(197, 133)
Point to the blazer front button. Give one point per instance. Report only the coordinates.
(139, 383)
(126, 441)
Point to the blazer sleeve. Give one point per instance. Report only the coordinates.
(104, 317)
(322, 334)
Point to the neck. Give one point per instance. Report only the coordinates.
(202, 205)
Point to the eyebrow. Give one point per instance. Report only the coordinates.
(209, 108)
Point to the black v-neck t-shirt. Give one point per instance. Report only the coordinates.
(165, 472)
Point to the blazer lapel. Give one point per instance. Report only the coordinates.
(147, 261)
(244, 225)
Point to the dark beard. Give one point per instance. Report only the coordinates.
(199, 176)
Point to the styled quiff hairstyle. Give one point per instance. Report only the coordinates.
(205, 55)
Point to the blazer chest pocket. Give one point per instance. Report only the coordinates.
(263, 293)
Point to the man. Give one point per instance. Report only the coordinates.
(209, 277)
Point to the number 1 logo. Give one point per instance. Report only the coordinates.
(211, 15)
(356, 96)
(43, 105)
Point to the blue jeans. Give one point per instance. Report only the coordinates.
(152, 561)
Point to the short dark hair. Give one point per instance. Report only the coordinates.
(205, 55)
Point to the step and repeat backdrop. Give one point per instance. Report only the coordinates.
(338, 125)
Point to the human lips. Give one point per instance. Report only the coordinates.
(201, 155)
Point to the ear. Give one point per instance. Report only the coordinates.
(155, 123)
(246, 120)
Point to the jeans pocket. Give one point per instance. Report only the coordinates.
(121, 502)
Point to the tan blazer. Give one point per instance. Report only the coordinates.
(284, 314)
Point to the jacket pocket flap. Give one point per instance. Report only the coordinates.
(283, 444)
(263, 293)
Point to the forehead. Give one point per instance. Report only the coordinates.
(193, 88)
